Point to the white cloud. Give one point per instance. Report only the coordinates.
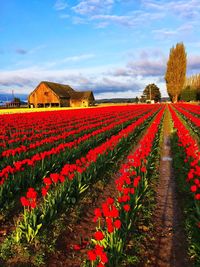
(57, 63)
(194, 63)
(84, 79)
(88, 7)
(64, 16)
(123, 81)
(187, 9)
(126, 94)
(134, 19)
(164, 33)
(180, 32)
(78, 58)
(151, 62)
(71, 59)
(102, 25)
(102, 13)
(130, 79)
(96, 79)
(147, 67)
(35, 75)
(60, 5)
(122, 20)
(79, 20)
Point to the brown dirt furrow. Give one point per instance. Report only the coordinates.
(84, 227)
(169, 248)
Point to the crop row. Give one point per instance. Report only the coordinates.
(187, 166)
(45, 124)
(192, 155)
(68, 134)
(64, 154)
(116, 216)
(14, 178)
(190, 118)
(63, 189)
(195, 109)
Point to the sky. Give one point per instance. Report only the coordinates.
(113, 47)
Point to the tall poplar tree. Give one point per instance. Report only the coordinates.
(176, 71)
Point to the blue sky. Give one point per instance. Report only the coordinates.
(113, 47)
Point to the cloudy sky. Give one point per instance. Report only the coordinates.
(113, 47)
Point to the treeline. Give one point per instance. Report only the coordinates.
(117, 100)
(191, 90)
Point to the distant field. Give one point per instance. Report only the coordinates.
(22, 110)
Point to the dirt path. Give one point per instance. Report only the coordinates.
(169, 248)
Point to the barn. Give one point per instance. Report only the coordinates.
(49, 94)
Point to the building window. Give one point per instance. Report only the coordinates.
(46, 93)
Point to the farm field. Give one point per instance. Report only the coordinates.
(104, 186)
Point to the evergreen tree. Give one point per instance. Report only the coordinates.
(176, 71)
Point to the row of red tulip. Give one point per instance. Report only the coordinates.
(84, 162)
(46, 124)
(195, 109)
(116, 216)
(37, 122)
(73, 178)
(69, 131)
(38, 157)
(29, 134)
(195, 120)
(24, 122)
(186, 164)
(192, 157)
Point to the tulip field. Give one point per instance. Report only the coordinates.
(50, 161)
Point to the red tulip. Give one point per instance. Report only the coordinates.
(91, 255)
(99, 235)
(126, 207)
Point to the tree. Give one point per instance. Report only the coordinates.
(194, 82)
(188, 93)
(142, 99)
(152, 92)
(176, 71)
(136, 100)
(16, 100)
